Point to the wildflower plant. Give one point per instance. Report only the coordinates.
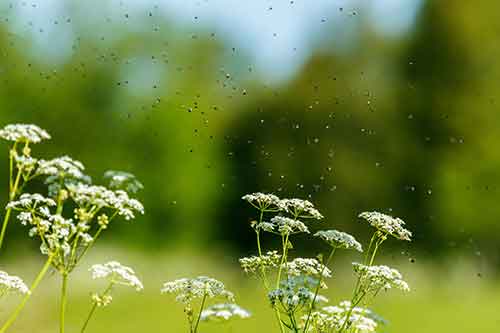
(10, 284)
(196, 292)
(115, 274)
(293, 286)
(70, 217)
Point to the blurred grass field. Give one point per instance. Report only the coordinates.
(443, 299)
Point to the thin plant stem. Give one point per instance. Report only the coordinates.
(94, 307)
(91, 313)
(316, 292)
(195, 330)
(64, 289)
(12, 195)
(355, 302)
(263, 271)
(283, 259)
(21, 305)
(4, 226)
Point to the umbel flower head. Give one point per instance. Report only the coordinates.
(288, 226)
(338, 239)
(120, 180)
(374, 278)
(387, 224)
(62, 168)
(10, 284)
(256, 264)
(24, 133)
(330, 318)
(31, 202)
(300, 208)
(100, 197)
(224, 312)
(117, 273)
(263, 201)
(189, 289)
(307, 267)
(294, 293)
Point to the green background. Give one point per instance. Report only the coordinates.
(409, 126)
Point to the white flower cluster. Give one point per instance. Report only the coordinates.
(119, 180)
(334, 317)
(307, 267)
(224, 312)
(295, 207)
(387, 224)
(262, 200)
(189, 289)
(374, 278)
(295, 293)
(10, 284)
(57, 232)
(300, 208)
(117, 273)
(288, 226)
(264, 226)
(255, 264)
(31, 202)
(23, 133)
(90, 195)
(54, 230)
(339, 239)
(62, 168)
(25, 163)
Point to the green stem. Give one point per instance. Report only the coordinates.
(316, 292)
(199, 314)
(20, 307)
(64, 288)
(4, 226)
(12, 196)
(89, 246)
(94, 307)
(278, 279)
(283, 259)
(357, 290)
(263, 270)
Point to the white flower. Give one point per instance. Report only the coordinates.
(24, 133)
(307, 266)
(387, 224)
(62, 167)
(101, 197)
(263, 201)
(375, 278)
(265, 226)
(288, 226)
(116, 273)
(10, 284)
(300, 208)
(295, 292)
(339, 239)
(30, 201)
(255, 264)
(189, 289)
(25, 163)
(123, 180)
(223, 312)
(330, 318)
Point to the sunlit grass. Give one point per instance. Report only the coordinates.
(442, 299)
